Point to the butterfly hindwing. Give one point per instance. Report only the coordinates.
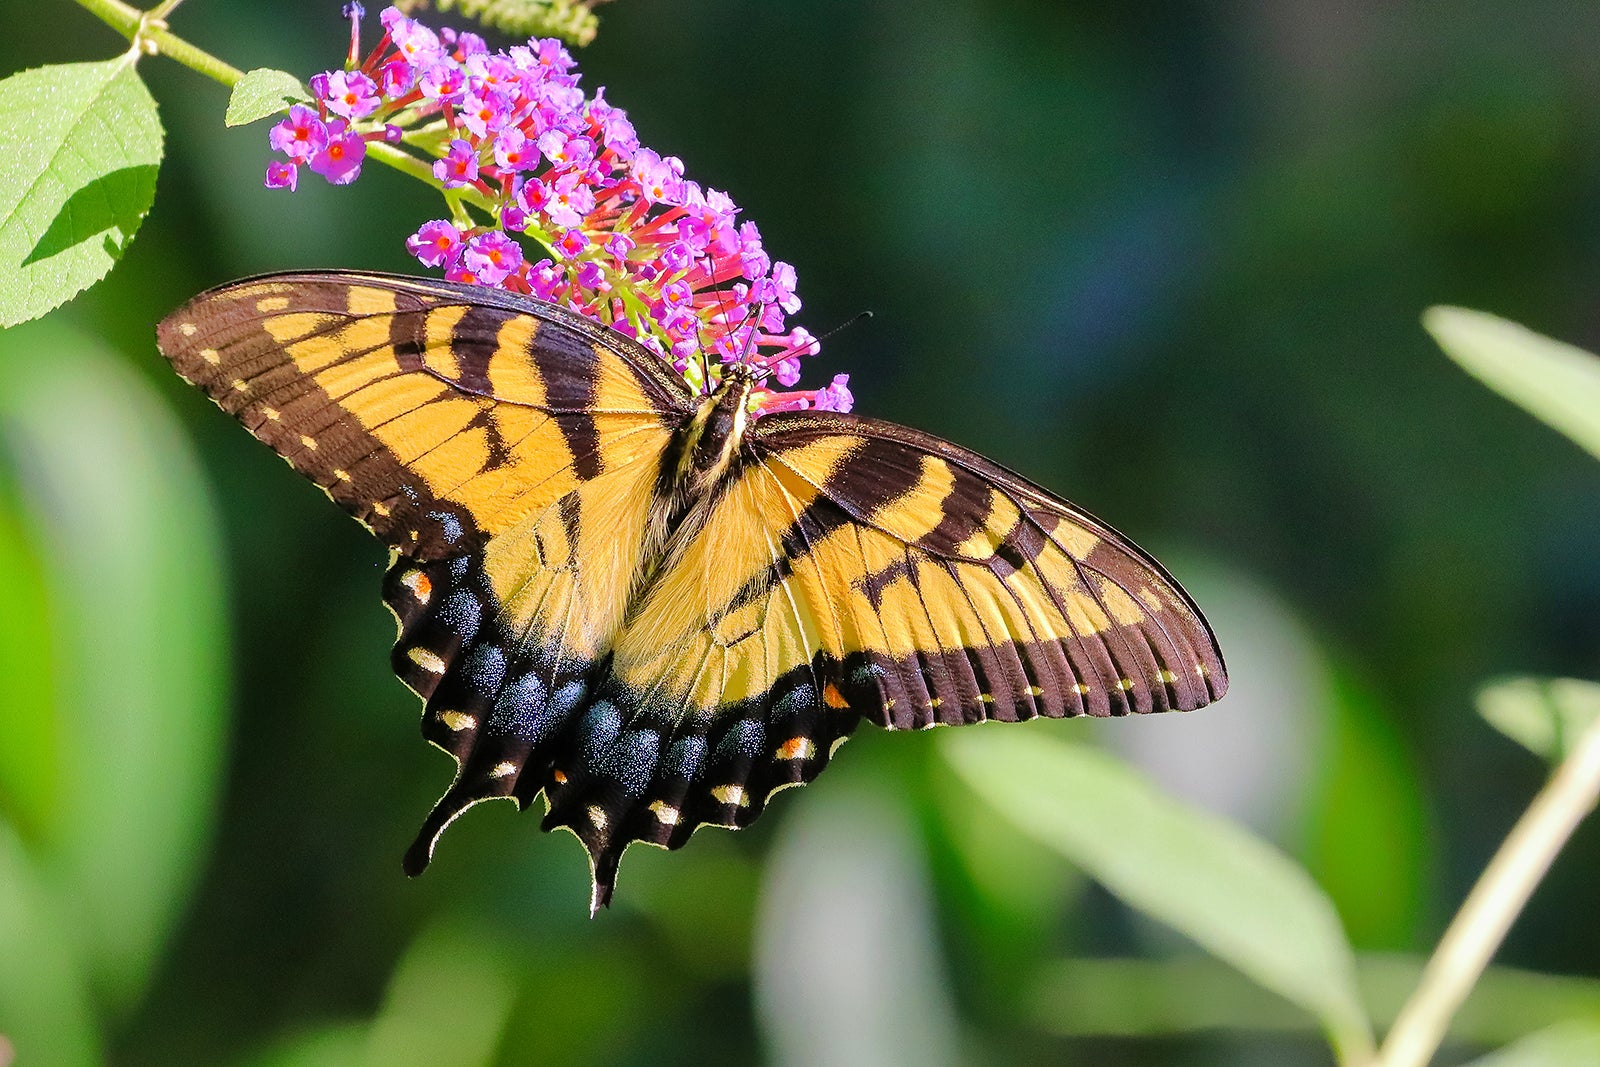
(853, 569)
(973, 594)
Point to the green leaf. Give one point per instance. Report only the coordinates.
(1236, 896)
(46, 1011)
(138, 629)
(29, 757)
(1544, 715)
(1552, 381)
(261, 93)
(333, 1045)
(1366, 841)
(1574, 1044)
(419, 1026)
(80, 144)
(1163, 998)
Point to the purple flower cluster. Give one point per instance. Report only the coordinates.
(626, 239)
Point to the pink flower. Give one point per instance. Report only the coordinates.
(566, 150)
(512, 151)
(415, 42)
(442, 79)
(300, 135)
(619, 245)
(753, 259)
(396, 78)
(660, 180)
(459, 166)
(491, 257)
(570, 200)
(633, 244)
(436, 243)
(787, 371)
(836, 395)
(483, 112)
(572, 243)
(348, 93)
(783, 283)
(282, 175)
(339, 160)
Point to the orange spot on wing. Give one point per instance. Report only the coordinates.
(833, 698)
(796, 748)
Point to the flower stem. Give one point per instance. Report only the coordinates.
(1494, 903)
(406, 163)
(147, 26)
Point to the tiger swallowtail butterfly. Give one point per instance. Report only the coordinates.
(646, 605)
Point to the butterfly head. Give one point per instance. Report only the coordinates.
(712, 437)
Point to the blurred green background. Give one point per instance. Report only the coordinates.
(1167, 260)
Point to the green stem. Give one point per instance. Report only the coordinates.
(144, 26)
(420, 169)
(1494, 903)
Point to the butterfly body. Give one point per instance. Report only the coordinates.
(650, 607)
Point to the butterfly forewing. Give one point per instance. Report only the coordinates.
(508, 452)
(435, 414)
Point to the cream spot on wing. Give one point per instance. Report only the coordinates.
(272, 414)
(272, 303)
(730, 794)
(188, 329)
(1200, 669)
(238, 385)
(381, 510)
(309, 442)
(503, 769)
(1082, 688)
(597, 815)
(986, 698)
(1035, 691)
(1124, 684)
(427, 659)
(457, 720)
(340, 475)
(665, 813)
(211, 356)
(1166, 676)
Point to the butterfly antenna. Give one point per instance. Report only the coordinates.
(860, 316)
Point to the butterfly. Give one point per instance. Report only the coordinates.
(646, 605)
